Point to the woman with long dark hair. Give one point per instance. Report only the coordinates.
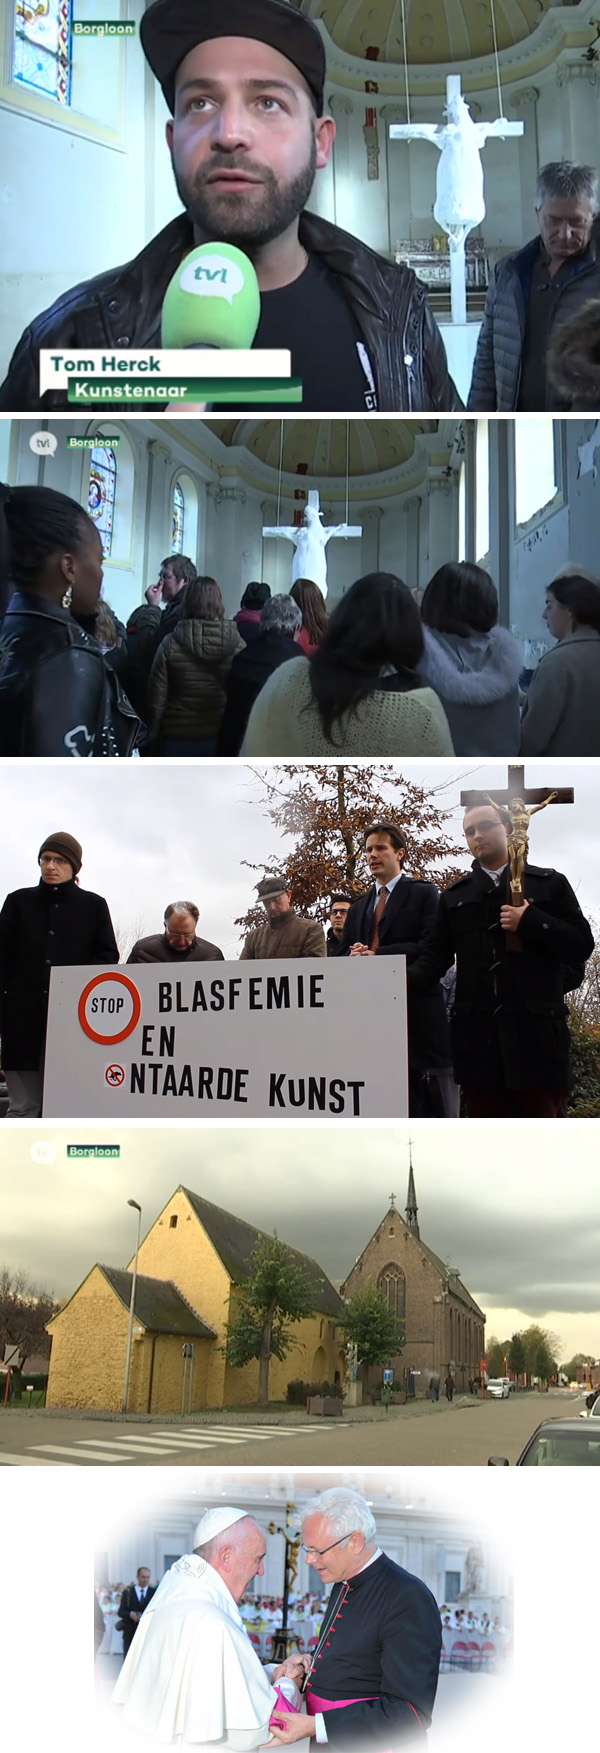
(57, 696)
(360, 694)
(315, 619)
(473, 664)
(562, 713)
(187, 689)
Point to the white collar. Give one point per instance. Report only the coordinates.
(377, 1554)
(389, 886)
(494, 874)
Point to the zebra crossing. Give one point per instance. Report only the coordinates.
(142, 1446)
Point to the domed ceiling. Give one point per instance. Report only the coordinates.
(319, 447)
(437, 31)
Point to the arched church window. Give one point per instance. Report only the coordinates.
(178, 519)
(536, 472)
(391, 1284)
(101, 493)
(42, 47)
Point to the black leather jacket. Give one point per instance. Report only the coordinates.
(57, 696)
(122, 308)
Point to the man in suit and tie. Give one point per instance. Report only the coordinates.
(393, 919)
(134, 1601)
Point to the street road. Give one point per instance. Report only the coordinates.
(464, 1434)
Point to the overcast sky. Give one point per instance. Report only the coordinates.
(515, 1208)
(154, 833)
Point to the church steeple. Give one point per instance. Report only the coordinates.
(412, 1210)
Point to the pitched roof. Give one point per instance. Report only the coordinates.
(235, 1241)
(159, 1306)
(451, 1279)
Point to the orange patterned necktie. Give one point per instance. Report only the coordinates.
(378, 913)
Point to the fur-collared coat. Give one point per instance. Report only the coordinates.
(477, 680)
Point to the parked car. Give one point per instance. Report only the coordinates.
(498, 1386)
(593, 1410)
(559, 1442)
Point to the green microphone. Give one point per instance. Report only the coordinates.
(213, 300)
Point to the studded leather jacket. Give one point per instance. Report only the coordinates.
(122, 308)
(57, 695)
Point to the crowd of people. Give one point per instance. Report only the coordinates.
(485, 1026)
(392, 671)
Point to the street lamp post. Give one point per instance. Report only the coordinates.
(138, 1208)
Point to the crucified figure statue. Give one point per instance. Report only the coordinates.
(518, 844)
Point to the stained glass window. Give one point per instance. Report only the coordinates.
(178, 519)
(42, 52)
(101, 493)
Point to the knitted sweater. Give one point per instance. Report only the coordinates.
(285, 721)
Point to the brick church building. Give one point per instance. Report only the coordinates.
(444, 1326)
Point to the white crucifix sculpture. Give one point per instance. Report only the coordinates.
(310, 542)
(459, 200)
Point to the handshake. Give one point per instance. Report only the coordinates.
(294, 1668)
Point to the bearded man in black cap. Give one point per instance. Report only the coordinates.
(285, 936)
(56, 924)
(244, 81)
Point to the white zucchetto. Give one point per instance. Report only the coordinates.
(215, 1522)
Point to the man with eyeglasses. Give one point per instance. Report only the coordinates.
(372, 1679)
(509, 1028)
(178, 941)
(338, 914)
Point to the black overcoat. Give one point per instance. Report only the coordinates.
(407, 919)
(509, 1025)
(48, 927)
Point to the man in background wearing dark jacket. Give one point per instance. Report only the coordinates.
(244, 81)
(55, 925)
(536, 290)
(178, 942)
(393, 919)
(133, 1603)
(148, 625)
(338, 914)
(280, 624)
(509, 1030)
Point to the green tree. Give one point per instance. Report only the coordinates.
(324, 810)
(585, 1053)
(541, 1350)
(370, 1325)
(580, 1361)
(496, 1350)
(516, 1355)
(276, 1295)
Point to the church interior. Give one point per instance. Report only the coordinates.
(88, 110)
(520, 497)
(192, 1262)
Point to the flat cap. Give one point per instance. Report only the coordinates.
(171, 28)
(269, 887)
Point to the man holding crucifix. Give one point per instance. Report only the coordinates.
(514, 964)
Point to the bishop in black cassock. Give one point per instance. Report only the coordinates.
(373, 1676)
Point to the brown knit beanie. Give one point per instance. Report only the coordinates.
(66, 846)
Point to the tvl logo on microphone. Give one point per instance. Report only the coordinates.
(213, 277)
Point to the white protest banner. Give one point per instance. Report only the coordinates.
(233, 1040)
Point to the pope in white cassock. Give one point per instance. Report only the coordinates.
(192, 1678)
